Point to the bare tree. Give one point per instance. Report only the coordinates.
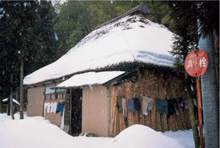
(21, 89)
(11, 98)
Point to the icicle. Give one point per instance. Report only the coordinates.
(90, 86)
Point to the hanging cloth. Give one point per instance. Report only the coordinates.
(137, 104)
(124, 108)
(172, 107)
(119, 104)
(162, 106)
(131, 105)
(51, 107)
(62, 120)
(147, 104)
(48, 107)
(125, 111)
(60, 108)
(54, 107)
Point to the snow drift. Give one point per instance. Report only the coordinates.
(129, 39)
(36, 132)
(139, 136)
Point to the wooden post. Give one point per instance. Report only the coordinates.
(21, 89)
(11, 99)
(0, 104)
(193, 120)
(70, 120)
(198, 90)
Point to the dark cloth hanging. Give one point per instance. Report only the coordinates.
(137, 104)
(162, 106)
(172, 107)
(60, 108)
(119, 104)
(131, 105)
(125, 111)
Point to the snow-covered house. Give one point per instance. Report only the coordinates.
(128, 57)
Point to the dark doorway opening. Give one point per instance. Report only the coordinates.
(76, 111)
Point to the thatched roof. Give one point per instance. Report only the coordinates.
(128, 39)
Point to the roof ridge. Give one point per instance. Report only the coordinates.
(139, 8)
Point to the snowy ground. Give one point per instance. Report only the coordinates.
(36, 132)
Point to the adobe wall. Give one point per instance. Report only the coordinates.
(95, 111)
(35, 98)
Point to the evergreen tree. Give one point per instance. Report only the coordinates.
(26, 36)
(185, 16)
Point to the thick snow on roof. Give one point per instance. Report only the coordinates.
(90, 78)
(130, 39)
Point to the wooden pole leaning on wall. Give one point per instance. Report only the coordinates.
(199, 103)
(70, 120)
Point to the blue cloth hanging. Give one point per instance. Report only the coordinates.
(162, 106)
(131, 105)
(60, 108)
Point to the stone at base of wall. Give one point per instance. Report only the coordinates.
(66, 128)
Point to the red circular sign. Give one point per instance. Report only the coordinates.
(196, 63)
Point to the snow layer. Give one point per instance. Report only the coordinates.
(15, 101)
(130, 39)
(139, 136)
(90, 78)
(187, 135)
(36, 132)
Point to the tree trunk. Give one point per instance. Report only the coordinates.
(209, 86)
(8, 107)
(193, 121)
(11, 99)
(21, 89)
(217, 53)
(0, 104)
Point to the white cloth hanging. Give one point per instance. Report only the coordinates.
(51, 107)
(54, 107)
(124, 108)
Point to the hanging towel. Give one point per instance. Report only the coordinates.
(147, 104)
(54, 107)
(131, 105)
(45, 108)
(62, 120)
(119, 104)
(172, 107)
(137, 104)
(60, 108)
(51, 107)
(48, 107)
(124, 108)
(162, 106)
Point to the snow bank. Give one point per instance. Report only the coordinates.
(139, 136)
(90, 78)
(130, 39)
(185, 136)
(36, 132)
